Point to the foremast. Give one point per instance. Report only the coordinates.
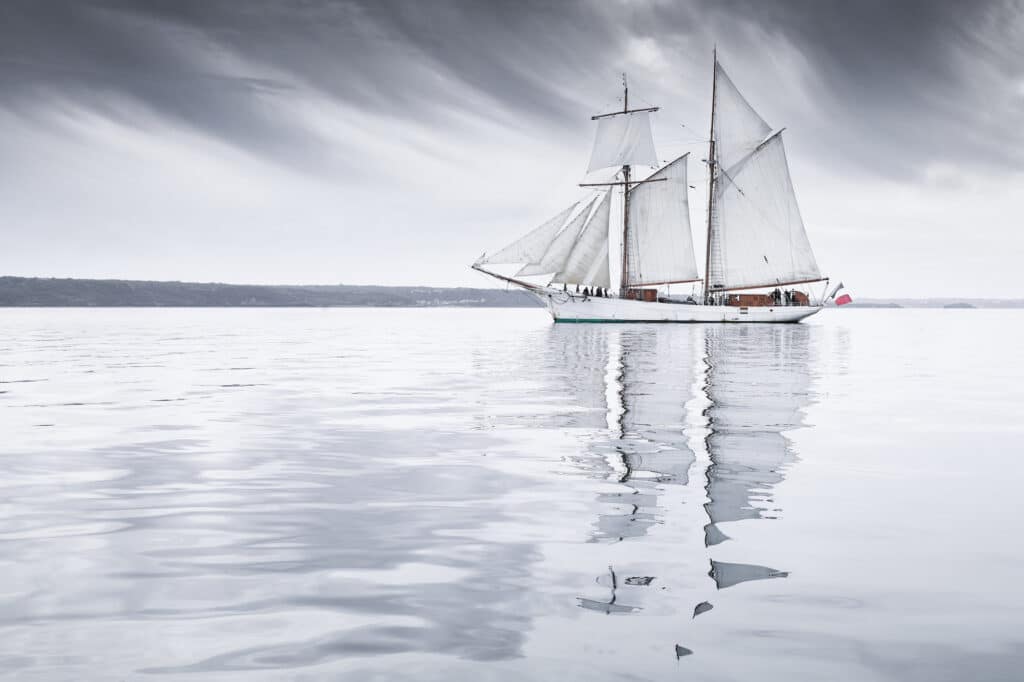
(627, 184)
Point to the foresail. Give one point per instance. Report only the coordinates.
(760, 236)
(558, 250)
(531, 248)
(660, 241)
(623, 139)
(587, 264)
(738, 128)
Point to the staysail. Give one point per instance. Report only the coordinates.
(588, 262)
(531, 247)
(756, 236)
(623, 139)
(553, 259)
(660, 242)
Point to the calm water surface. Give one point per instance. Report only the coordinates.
(480, 494)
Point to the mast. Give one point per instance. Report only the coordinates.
(624, 280)
(627, 182)
(711, 171)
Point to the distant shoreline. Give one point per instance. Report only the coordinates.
(38, 292)
(41, 292)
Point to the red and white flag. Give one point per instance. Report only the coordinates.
(842, 300)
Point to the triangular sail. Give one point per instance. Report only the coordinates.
(738, 128)
(531, 247)
(558, 251)
(756, 237)
(588, 262)
(761, 240)
(660, 242)
(623, 139)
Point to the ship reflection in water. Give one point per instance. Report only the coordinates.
(731, 393)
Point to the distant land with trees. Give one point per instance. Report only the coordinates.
(45, 292)
(57, 292)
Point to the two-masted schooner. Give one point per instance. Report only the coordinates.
(756, 241)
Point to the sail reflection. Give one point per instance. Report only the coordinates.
(752, 382)
(646, 384)
(758, 382)
(650, 379)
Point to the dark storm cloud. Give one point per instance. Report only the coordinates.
(96, 54)
(901, 84)
(416, 60)
(907, 81)
(411, 61)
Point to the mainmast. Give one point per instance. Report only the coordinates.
(711, 171)
(624, 280)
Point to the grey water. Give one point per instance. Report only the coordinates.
(221, 494)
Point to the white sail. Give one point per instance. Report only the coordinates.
(531, 247)
(588, 262)
(738, 128)
(660, 242)
(759, 236)
(623, 139)
(598, 274)
(558, 250)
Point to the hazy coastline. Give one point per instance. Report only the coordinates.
(42, 292)
(54, 292)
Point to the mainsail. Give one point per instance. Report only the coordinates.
(531, 248)
(553, 259)
(623, 139)
(756, 237)
(588, 262)
(660, 242)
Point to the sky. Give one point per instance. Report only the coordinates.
(379, 142)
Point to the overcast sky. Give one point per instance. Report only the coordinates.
(393, 142)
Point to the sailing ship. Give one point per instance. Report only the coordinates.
(756, 241)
